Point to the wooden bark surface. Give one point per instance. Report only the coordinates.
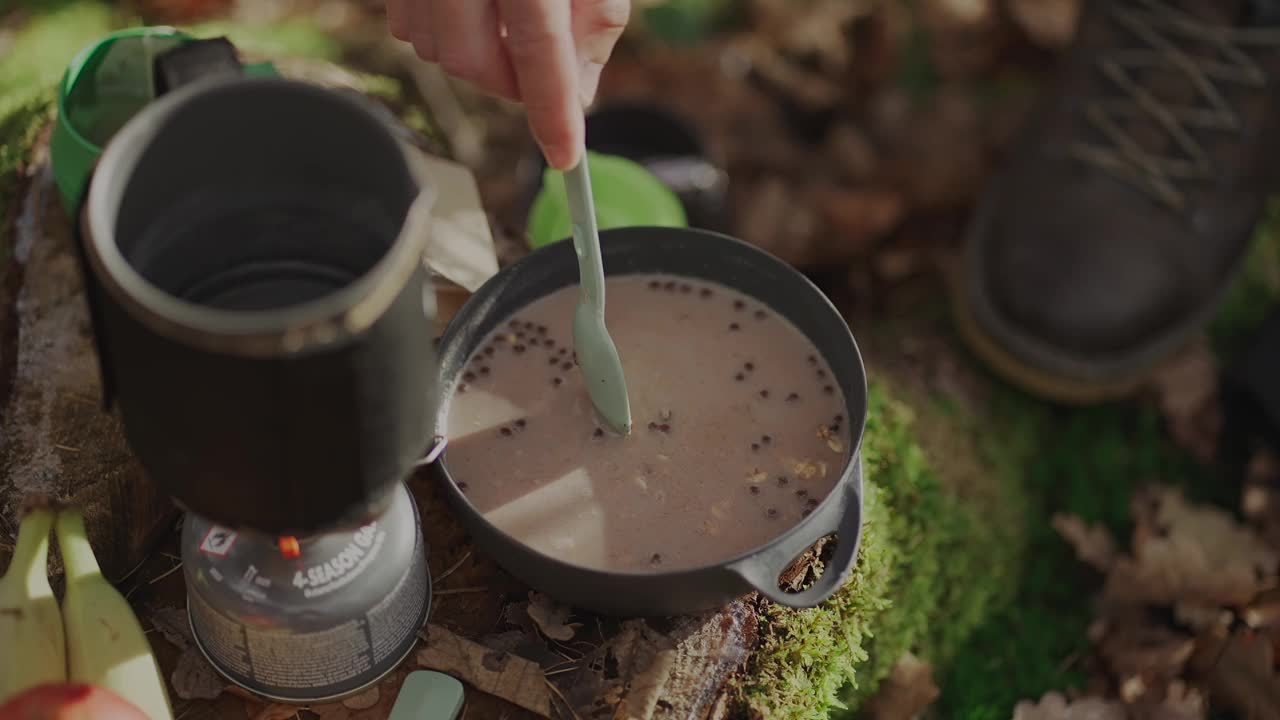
(55, 438)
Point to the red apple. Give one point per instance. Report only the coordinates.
(69, 701)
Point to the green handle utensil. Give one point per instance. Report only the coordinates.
(427, 695)
(597, 356)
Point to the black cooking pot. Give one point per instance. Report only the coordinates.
(707, 256)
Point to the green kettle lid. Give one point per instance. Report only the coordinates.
(626, 195)
(104, 86)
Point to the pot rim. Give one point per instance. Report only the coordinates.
(849, 471)
(326, 321)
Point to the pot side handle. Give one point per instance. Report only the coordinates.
(762, 571)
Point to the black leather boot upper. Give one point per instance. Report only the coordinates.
(1130, 200)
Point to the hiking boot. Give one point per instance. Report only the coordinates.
(1106, 241)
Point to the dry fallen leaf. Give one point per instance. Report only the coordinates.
(631, 671)
(1093, 545)
(1189, 553)
(897, 264)
(812, 91)
(933, 149)
(276, 711)
(905, 693)
(858, 218)
(372, 704)
(550, 616)
(173, 624)
(965, 36)
(1200, 617)
(1049, 23)
(1264, 467)
(1264, 612)
(852, 153)
(331, 711)
(507, 676)
(1187, 388)
(1053, 706)
(1260, 500)
(194, 678)
(1180, 702)
(777, 215)
(821, 32)
(1240, 672)
(1149, 651)
(364, 700)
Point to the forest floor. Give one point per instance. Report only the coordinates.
(856, 136)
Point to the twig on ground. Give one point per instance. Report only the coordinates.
(556, 691)
(453, 568)
(164, 574)
(134, 570)
(459, 591)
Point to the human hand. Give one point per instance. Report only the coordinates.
(547, 54)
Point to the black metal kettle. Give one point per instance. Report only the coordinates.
(253, 250)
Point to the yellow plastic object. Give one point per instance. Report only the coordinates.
(32, 645)
(105, 642)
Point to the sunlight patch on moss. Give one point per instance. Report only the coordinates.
(46, 43)
(299, 38)
(33, 65)
(928, 572)
(1255, 292)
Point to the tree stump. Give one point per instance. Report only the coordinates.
(55, 437)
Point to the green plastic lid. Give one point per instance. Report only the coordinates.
(626, 195)
(105, 85)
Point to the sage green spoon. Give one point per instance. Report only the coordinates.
(597, 355)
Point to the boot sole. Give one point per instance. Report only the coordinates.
(1034, 380)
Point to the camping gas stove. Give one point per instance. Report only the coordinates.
(305, 620)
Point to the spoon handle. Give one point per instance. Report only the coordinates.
(586, 236)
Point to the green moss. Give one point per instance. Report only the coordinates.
(807, 656)
(46, 43)
(929, 569)
(1087, 462)
(22, 115)
(1255, 292)
(29, 75)
(687, 22)
(299, 38)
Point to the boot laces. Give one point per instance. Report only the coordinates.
(1208, 57)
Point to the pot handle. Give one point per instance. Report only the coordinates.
(762, 571)
(195, 61)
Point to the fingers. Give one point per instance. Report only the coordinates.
(422, 28)
(597, 26)
(398, 19)
(540, 40)
(469, 47)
